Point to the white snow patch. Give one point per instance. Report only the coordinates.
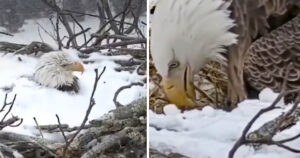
(171, 110)
(267, 95)
(211, 133)
(43, 103)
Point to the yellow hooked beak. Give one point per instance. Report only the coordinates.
(75, 66)
(180, 90)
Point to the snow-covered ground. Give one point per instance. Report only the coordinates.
(211, 133)
(43, 103)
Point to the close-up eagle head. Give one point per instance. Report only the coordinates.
(185, 35)
(55, 69)
(261, 37)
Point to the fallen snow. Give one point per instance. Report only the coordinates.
(211, 133)
(43, 103)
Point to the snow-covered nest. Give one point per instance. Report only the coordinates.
(43, 103)
(211, 133)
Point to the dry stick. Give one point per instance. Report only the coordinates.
(39, 31)
(110, 16)
(49, 34)
(287, 148)
(203, 92)
(113, 45)
(62, 18)
(288, 139)
(134, 25)
(59, 41)
(5, 33)
(60, 128)
(10, 122)
(5, 103)
(279, 143)
(75, 35)
(97, 16)
(118, 104)
(102, 18)
(64, 127)
(11, 105)
(121, 27)
(91, 104)
(16, 125)
(13, 119)
(121, 37)
(82, 29)
(38, 127)
(100, 30)
(242, 140)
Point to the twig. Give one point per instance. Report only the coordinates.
(11, 105)
(48, 33)
(91, 104)
(10, 122)
(5, 33)
(38, 127)
(59, 41)
(118, 104)
(82, 30)
(113, 45)
(17, 119)
(75, 35)
(289, 139)
(109, 15)
(60, 128)
(63, 127)
(5, 103)
(52, 4)
(243, 140)
(39, 31)
(97, 16)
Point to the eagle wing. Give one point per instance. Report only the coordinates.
(267, 59)
(254, 20)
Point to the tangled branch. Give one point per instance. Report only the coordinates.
(118, 104)
(265, 134)
(91, 104)
(11, 121)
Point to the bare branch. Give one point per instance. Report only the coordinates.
(118, 104)
(61, 130)
(38, 127)
(52, 4)
(91, 104)
(244, 139)
(113, 45)
(11, 105)
(5, 33)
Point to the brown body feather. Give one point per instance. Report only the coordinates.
(255, 19)
(267, 59)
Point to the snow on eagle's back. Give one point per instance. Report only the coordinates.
(55, 70)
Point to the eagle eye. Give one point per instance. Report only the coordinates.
(173, 64)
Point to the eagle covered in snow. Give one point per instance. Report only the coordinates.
(55, 69)
(261, 38)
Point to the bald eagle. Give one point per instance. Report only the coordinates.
(55, 69)
(259, 36)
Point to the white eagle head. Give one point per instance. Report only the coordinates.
(55, 69)
(185, 35)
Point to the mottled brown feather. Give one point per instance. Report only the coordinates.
(252, 22)
(267, 58)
